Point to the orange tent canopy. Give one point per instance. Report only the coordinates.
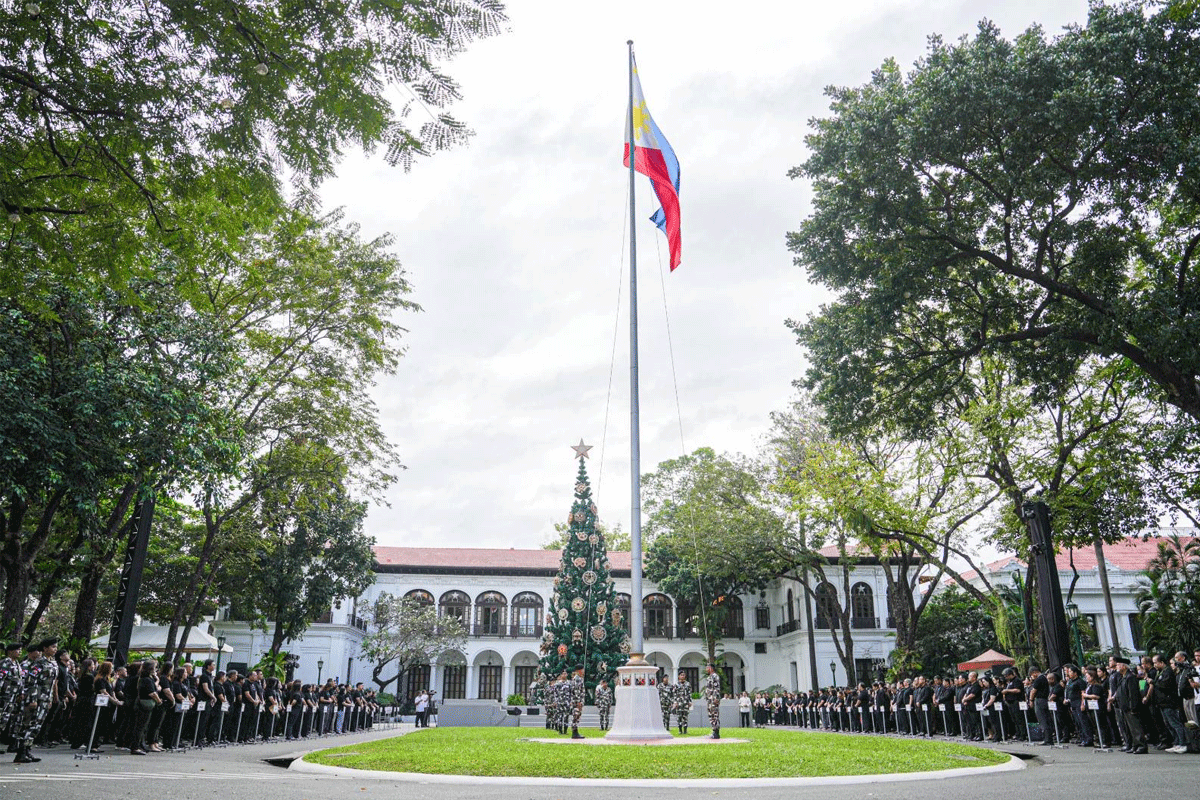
(985, 660)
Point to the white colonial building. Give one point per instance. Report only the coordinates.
(1079, 578)
(502, 595)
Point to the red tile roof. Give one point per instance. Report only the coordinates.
(481, 558)
(1131, 555)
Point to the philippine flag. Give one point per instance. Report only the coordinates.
(655, 159)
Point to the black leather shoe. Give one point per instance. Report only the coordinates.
(1141, 751)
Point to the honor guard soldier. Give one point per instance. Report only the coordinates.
(604, 703)
(712, 696)
(37, 695)
(578, 693)
(11, 679)
(682, 704)
(665, 696)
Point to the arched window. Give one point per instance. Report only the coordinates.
(827, 606)
(732, 627)
(791, 609)
(623, 605)
(456, 604)
(527, 614)
(420, 596)
(656, 616)
(489, 614)
(862, 606)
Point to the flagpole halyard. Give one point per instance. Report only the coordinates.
(635, 456)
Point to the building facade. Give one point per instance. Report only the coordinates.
(502, 597)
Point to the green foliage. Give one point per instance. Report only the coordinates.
(1168, 597)
(273, 665)
(515, 700)
(703, 510)
(310, 548)
(954, 627)
(1033, 199)
(118, 113)
(584, 623)
(408, 632)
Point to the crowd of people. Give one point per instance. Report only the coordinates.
(48, 699)
(1122, 705)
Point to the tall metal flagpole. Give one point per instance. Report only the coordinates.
(635, 454)
(638, 712)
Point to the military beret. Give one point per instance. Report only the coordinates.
(12, 646)
(1121, 660)
(50, 641)
(32, 646)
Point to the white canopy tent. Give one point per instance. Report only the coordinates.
(153, 639)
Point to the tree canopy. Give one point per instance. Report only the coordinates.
(1035, 199)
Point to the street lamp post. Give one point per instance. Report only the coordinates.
(1073, 617)
(220, 647)
(833, 671)
(320, 666)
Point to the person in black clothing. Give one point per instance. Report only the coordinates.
(1058, 709)
(85, 700)
(1128, 697)
(971, 700)
(146, 698)
(1039, 698)
(1014, 695)
(1164, 695)
(1073, 688)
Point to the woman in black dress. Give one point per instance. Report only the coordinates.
(147, 699)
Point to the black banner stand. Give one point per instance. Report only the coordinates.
(1094, 705)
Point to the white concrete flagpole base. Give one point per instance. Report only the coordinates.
(637, 714)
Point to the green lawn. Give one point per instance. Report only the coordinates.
(767, 754)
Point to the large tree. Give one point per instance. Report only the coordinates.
(407, 633)
(1035, 199)
(698, 507)
(309, 547)
(117, 115)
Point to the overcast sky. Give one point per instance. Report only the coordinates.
(516, 245)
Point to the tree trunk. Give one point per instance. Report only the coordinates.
(17, 557)
(1108, 603)
(808, 624)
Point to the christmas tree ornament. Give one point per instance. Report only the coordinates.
(562, 649)
(589, 578)
(580, 562)
(599, 634)
(602, 608)
(594, 539)
(581, 536)
(577, 636)
(563, 614)
(577, 605)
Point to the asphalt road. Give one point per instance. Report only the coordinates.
(237, 771)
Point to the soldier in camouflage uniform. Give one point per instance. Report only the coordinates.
(665, 696)
(558, 693)
(604, 703)
(712, 697)
(39, 693)
(577, 697)
(11, 680)
(681, 704)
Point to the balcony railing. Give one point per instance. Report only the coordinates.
(787, 627)
(508, 631)
(691, 632)
(825, 623)
(864, 622)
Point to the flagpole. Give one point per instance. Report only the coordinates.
(635, 455)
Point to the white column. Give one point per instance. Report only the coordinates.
(506, 682)
(472, 684)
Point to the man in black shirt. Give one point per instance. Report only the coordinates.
(971, 700)
(1128, 698)
(1163, 692)
(1039, 698)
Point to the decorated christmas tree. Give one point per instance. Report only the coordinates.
(584, 623)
